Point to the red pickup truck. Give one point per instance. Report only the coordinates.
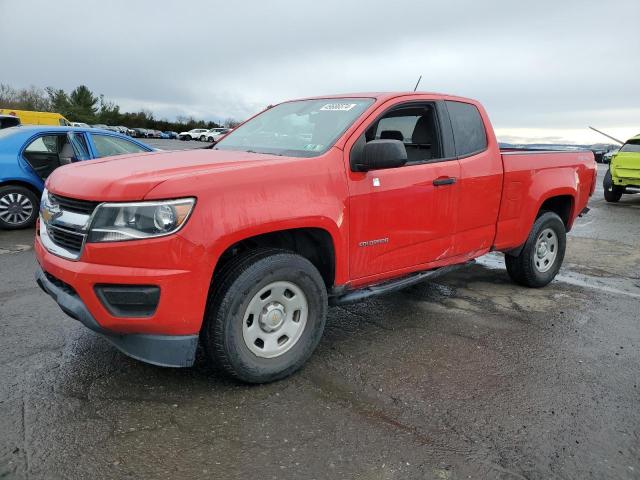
(313, 202)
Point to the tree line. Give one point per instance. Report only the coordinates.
(82, 105)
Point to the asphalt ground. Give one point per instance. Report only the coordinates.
(467, 377)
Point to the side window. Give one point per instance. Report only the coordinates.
(107, 146)
(468, 129)
(416, 126)
(79, 145)
(43, 154)
(45, 144)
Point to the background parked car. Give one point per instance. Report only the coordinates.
(100, 125)
(209, 133)
(80, 124)
(171, 135)
(28, 155)
(193, 134)
(139, 133)
(218, 134)
(606, 158)
(7, 121)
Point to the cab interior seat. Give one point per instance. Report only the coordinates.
(391, 135)
(424, 144)
(419, 122)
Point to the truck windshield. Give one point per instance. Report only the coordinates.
(305, 128)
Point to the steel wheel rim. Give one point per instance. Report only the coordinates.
(15, 208)
(275, 319)
(546, 250)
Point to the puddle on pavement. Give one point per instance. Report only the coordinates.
(616, 285)
(15, 249)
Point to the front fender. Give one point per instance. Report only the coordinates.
(326, 224)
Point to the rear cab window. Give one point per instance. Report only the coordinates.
(469, 133)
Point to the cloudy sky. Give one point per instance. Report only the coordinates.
(544, 69)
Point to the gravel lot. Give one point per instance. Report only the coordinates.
(468, 377)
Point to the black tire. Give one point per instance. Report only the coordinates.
(235, 286)
(522, 268)
(187, 138)
(18, 207)
(202, 139)
(612, 193)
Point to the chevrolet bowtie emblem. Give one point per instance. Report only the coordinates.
(50, 211)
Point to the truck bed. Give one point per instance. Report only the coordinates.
(532, 176)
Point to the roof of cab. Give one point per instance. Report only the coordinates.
(383, 96)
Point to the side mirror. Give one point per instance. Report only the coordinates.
(379, 154)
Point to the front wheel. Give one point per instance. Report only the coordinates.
(541, 257)
(265, 316)
(612, 193)
(18, 207)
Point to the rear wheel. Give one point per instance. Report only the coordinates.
(18, 207)
(541, 257)
(266, 315)
(612, 193)
(187, 137)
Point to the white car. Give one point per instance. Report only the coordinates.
(193, 134)
(80, 124)
(216, 134)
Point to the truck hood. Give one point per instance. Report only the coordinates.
(131, 177)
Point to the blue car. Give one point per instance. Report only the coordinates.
(28, 155)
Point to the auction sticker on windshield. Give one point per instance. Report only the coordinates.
(343, 107)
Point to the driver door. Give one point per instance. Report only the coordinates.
(404, 219)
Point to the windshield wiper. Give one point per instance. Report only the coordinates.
(265, 153)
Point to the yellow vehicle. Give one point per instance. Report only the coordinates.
(36, 118)
(623, 175)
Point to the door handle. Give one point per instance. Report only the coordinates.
(438, 182)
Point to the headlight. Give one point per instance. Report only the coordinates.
(116, 222)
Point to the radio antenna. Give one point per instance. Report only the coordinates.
(608, 136)
(417, 83)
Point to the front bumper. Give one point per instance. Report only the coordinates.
(162, 350)
(174, 266)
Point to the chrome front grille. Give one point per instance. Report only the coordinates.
(68, 239)
(64, 224)
(73, 205)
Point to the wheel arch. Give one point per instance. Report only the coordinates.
(316, 244)
(563, 205)
(22, 183)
